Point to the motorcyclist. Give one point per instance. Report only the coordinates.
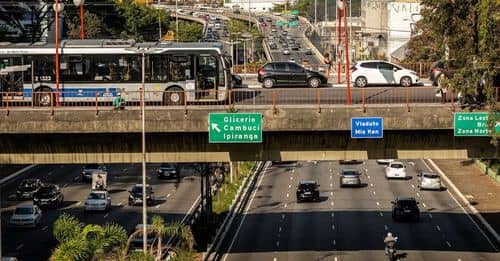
(389, 242)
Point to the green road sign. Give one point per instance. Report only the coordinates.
(235, 127)
(471, 124)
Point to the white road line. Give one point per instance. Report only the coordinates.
(331, 177)
(448, 243)
(287, 195)
(293, 170)
(157, 206)
(386, 228)
(423, 204)
(374, 193)
(45, 228)
(333, 214)
(275, 259)
(333, 227)
(335, 243)
(418, 195)
(282, 216)
(472, 208)
(78, 203)
(369, 177)
(168, 195)
(277, 243)
(381, 214)
(19, 247)
(335, 259)
(65, 185)
(438, 228)
(286, 205)
(291, 177)
(245, 212)
(289, 186)
(412, 186)
(371, 184)
(280, 230)
(378, 204)
(105, 216)
(331, 193)
(331, 203)
(331, 184)
(430, 215)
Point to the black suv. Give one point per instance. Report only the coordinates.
(135, 196)
(49, 196)
(289, 73)
(168, 170)
(307, 190)
(27, 188)
(405, 208)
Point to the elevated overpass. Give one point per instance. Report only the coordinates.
(180, 134)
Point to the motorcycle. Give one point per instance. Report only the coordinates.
(391, 252)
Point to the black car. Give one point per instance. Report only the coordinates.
(294, 47)
(237, 81)
(168, 170)
(289, 73)
(309, 51)
(48, 196)
(307, 190)
(273, 46)
(27, 188)
(405, 208)
(135, 196)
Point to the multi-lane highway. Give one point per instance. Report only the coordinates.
(350, 223)
(173, 200)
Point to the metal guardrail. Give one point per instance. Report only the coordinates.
(242, 98)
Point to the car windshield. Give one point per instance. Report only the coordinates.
(307, 186)
(92, 166)
(167, 165)
(350, 173)
(46, 190)
(97, 196)
(407, 203)
(430, 176)
(24, 211)
(28, 184)
(397, 166)
(138, 190)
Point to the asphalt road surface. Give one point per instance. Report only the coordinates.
(349, 223)
(173, 200)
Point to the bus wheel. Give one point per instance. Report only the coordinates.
(173, 96)
(43, 97)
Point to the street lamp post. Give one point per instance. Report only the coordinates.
(80, 3)
(315, 11)
(57, 8)
(176, 21)
(143, 140)
(249, 16)
(159, 19)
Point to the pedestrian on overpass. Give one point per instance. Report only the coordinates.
(328, 63)
(119, 102)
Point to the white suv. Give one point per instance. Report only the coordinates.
(382, 72)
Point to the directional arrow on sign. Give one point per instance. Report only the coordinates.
(215, 127)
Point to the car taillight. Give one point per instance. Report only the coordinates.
(353, 69)
(261, 71)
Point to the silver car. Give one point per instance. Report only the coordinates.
(429, 180)
(350, 177)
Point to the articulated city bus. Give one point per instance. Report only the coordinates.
(102, 69)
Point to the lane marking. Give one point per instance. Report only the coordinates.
(331, 177)
(78, 203)
(333, 214)
(275, 259)
(20, 246)
(448, 243)
(418, 194)
(279, 230)
(277, 243)
(369, 177)
(331, 193)
(412, 186)
(371, 184)
(374, 193)
(386, 228)
(289, 186)
(105, 216)
(287, 195)
(157, 206)
(282, 216)
(291, 177)
(168, 195)
(293, 170)
(423, 204)
(438, 228)
(378, 204)
(331, 203)
(331, 184)
(333, 227)
(45, 228)
(381, 214)
(65, 185)
(335, 259)
(334, 243)
(286, 205)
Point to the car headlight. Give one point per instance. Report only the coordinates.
(414, 73)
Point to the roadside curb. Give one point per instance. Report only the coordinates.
(474, 211)
(238, 205)
(15, 174)
(493, 175)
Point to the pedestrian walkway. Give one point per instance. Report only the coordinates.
(480, 190)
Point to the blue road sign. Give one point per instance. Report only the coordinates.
(367, 128)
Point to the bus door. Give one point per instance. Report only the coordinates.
(206, 77)
(12, 77)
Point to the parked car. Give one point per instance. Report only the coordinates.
(429, 180)
(309, 51)
(87, 171)
(135, 196)
(381, 72)
(405, 208)
(441, 67)
(168, 170)
(289, 73)
(350, 177)
(27, 188)
(26, 215)
(48, 196)
(98, 200)
(307, 190)
(395, 170)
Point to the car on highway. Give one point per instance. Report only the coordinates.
(26, 215)
(286, 51)
(289, 73)
(135, 196)
(49, 195)
(442, 67)
(273, 46)
(136, 240)
(236, 80)
(27, 188)
(385, 161)
(307, 190)
(429, 180)
(294, 47)
(309, 51)
(291, 59)
(97, 200)
(379, 72)
(273, 30)
(284, 32)
(168, 170)
(405, 208)
(395, 170)
(86, 174)
(269, 20)
(350, 177)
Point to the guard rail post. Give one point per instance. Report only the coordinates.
(408, 99)
(420, 69)
(32, 99)
(363, 99)
(318, 97)
(7, 104)
(185, 102)
(452, 103)
(230, 100)
(274, 102)
(96, 103)
(52, 103)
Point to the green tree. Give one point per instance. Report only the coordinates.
(93, 27)
(141, 20)
(189, 31)
(14, 14)
(67, 227)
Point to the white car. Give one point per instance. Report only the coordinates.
(98, 200)
(26, 215)
(382, 72)
(395, 170)
(385, 161)
(286, 51)
(429, 180)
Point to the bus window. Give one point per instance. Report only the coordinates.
(179, 68)
(206, 72)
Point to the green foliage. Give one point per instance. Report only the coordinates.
(141, 20)
(489, 29)
(189, 31)
(67, 227)
(140, 256)
(72, 250)
(93, 27)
